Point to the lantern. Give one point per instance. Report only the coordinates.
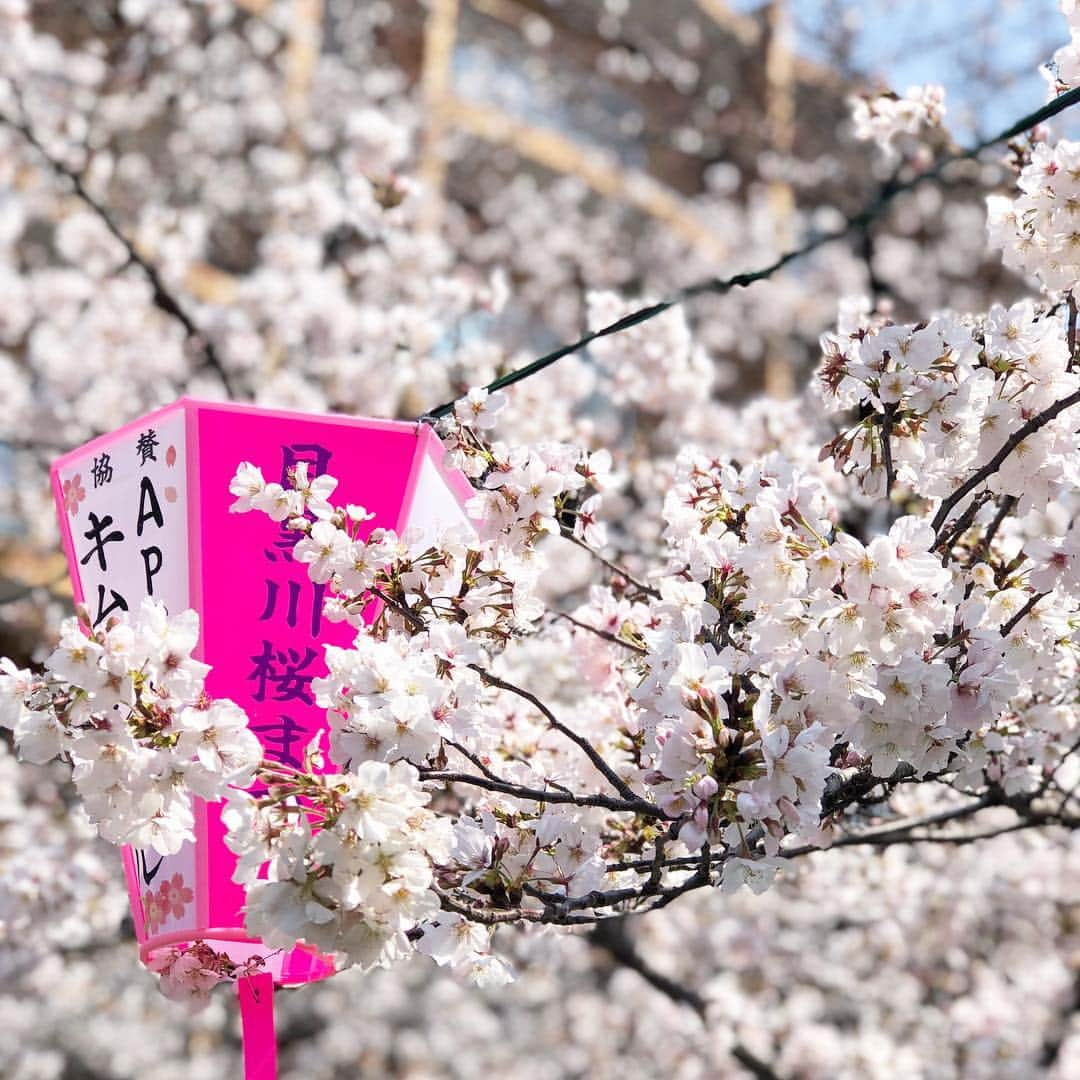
(144, 511)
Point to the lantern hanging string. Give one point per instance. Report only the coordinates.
(718, 286)
(256, 994)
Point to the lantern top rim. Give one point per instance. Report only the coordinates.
(187, 402)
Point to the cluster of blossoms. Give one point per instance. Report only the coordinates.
(189, 972)
(1063, 72)
(632, 357)
(774, 658)
(526, 492)
(710, 743)
(415, 687)
(885, 117)
(975, 418)
(350, 862)
(775, 651)
(125, 705)
(408, 692)
(1039, 230)
(941, 400)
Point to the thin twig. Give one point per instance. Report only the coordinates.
(474, 758)
(605, 634)
(163, 299)
(612, 935)
(886, 449)
(1004, 508)
(1071, 301)
(613, 567)
(641, 805)
(638, 804)
(1011, 443)
(1008, 628)
(960, 526)
(531, 794)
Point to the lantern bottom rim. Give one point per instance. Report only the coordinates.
(293, 967)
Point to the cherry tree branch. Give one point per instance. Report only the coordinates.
(504, 787)
(961, 524)
(613, 937)
(1011, 443)
(719, 286)
(1071, 328)
(1008, 627)
(641, 805)
(615, 568)
(162, 297)
(1052, 1045)
(589, 908)
(1005, 507)
(605, 634)
(886, 450)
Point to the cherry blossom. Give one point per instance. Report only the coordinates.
(797, 678)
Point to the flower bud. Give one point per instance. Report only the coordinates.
(705, 788)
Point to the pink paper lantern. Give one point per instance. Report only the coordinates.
(144, 511)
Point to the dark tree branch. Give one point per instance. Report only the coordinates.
(1055, 1040)
(719, 286)
(607, 636)
(1008, 628)
(606, 802)
(886, 449)
(613, 937)
(1005, 507)
(619, 571)
(163, 298)
(1071, 332)
(641, 805)
(961, 524)
(995, 463)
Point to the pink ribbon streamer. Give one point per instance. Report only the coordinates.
(256, 993)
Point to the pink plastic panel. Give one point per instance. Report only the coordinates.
(263, 625)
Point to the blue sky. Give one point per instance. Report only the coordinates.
(948, 41)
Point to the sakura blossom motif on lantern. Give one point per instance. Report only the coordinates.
(175, 896)
(153, 910)
(170, 901)
(74, 494)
